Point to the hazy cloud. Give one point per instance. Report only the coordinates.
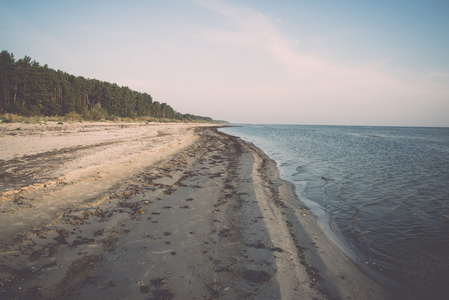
(329, 87)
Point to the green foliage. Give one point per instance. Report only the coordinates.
(13, 118)
(9, 118)
(95, 114)
(29, 89)
(73, 117)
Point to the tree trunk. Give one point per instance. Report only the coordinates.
(15, 92)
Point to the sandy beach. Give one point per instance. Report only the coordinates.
(158, 211)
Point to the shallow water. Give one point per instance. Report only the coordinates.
(383, 191)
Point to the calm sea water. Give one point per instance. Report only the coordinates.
(382, 192)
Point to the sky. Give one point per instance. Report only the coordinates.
(323, 62)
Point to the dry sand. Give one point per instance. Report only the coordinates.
(159, 211)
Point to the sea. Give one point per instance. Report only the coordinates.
(381, 193)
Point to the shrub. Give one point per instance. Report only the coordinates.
(97, 113)
(73, 117)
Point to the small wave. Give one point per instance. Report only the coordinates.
(384, 190)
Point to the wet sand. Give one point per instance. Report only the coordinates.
(172, 211)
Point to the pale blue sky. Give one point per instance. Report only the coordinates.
(298, 62)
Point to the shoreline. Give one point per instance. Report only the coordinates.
(333, 264)
(192, 213)
(322, 221)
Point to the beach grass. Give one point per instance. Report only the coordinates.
(75, 117)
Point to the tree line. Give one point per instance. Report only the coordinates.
(30, 89)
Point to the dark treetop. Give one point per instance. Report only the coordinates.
(29, 89)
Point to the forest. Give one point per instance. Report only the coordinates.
(30, 89)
